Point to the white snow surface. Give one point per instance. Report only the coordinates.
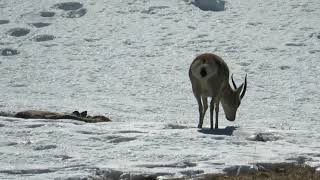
(129, 60)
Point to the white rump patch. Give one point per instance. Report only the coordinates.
(211, 70)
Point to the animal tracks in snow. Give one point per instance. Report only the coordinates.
(295, 44)
(47, 14)
(154, 9)
(71, 9)
(44, 37)
(38, 20)
(17, 32)
(45, 147)
(284, 67)
(8, 52)
(210, 5)
(40, 24)
(175, 126)
(4, 22)
(68, 6)
(76, 13)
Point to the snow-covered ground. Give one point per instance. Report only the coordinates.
(129, 60)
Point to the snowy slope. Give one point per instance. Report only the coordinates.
(129, 60)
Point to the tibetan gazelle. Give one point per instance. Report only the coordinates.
(209, 76)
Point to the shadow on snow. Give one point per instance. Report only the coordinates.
(228, 131)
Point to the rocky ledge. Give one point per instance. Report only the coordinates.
(260, 171)
(76, 115)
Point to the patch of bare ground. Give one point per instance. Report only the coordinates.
(263, 171)
(281, 171)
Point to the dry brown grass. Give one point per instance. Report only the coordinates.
(273, 172)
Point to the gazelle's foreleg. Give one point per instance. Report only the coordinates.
(211, 113)
(217, 101)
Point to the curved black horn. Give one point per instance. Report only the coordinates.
(234, 84)
(244, 87)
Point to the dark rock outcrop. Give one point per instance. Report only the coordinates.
(76, 115)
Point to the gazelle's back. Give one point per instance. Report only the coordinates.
(208, 74)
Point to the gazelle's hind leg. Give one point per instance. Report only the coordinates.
(211, 113)
(200, 111)
(203, 106)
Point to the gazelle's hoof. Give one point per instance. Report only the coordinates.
(199, 126)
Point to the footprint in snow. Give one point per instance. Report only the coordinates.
(210, 5)
(40, 24)
(34, 126)
(43, 37)
(17, 32)
(68, 6)
(63, 157)
(8, 52)
(75, 14)
(72, 9)
(154, 9)
(314, 51)
(4, 22)
(122, 139)
(244, 64)
(175, 126)
(295, 44)
(47, 14)
(284, 67)
(45, 147)
(316, 35)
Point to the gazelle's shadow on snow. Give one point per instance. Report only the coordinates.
(228, 131)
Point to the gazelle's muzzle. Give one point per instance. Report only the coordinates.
(231, 118)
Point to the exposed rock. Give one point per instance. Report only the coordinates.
(264, 137)
(266, 171)
(34, 114)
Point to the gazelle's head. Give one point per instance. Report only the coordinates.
(231, 99)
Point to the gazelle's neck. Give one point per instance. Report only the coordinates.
(226, 91)
(228, 103)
